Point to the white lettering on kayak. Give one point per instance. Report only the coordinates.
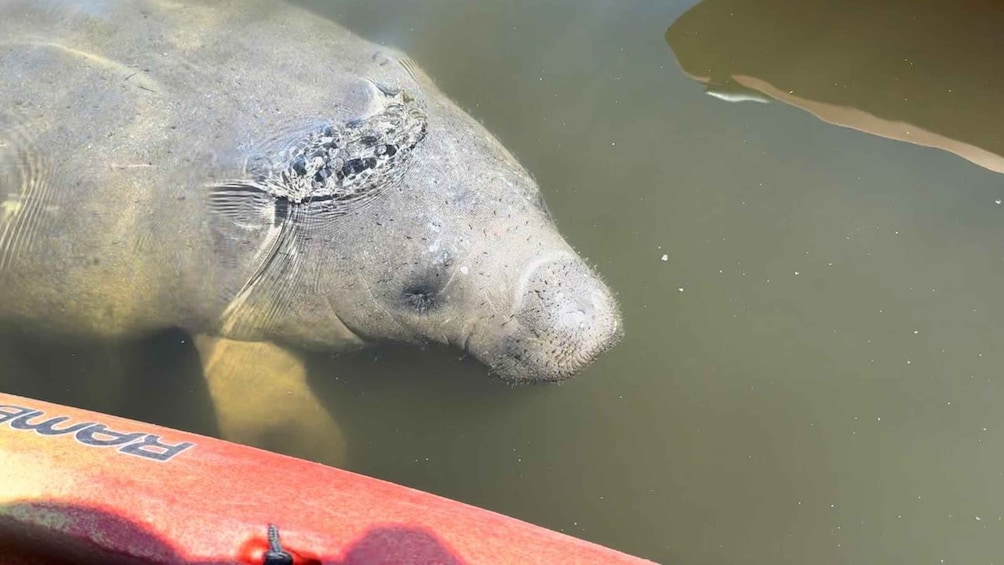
(139, 444)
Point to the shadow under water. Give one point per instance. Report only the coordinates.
(156, 378)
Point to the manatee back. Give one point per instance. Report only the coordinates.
(118, 116)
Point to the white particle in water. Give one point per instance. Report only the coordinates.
(997, 202)
(680, 289)
(664, 257)
(796, 273)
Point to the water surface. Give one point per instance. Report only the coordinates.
(812, 369)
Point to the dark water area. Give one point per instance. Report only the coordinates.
(799, 206)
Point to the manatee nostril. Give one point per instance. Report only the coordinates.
(575, 318)
(562, 318)
(567, 310)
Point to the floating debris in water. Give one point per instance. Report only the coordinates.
(664, 257)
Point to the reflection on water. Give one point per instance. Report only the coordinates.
(812, 375)
(885, 68)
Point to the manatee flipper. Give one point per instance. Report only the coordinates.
(35, 368)
(262, 398)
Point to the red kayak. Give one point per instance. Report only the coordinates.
(82, 487)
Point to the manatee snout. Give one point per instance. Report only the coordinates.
(563, 318)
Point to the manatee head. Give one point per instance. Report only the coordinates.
(425, 228)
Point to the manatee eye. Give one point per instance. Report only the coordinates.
(421, 298)
(424, 291)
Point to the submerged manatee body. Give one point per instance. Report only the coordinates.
(252, 171)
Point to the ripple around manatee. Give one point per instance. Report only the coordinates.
(26, 190)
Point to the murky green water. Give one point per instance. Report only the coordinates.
(811, 372)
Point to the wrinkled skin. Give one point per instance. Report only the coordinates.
(120, 120)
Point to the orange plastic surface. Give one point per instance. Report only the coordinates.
(82, 487)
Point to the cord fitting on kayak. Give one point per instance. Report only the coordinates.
(275, 555)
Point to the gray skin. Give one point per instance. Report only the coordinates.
(151, 177)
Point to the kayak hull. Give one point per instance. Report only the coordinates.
(82, 487)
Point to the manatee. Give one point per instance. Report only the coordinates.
(271, 184)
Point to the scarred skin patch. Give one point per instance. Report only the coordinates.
(336, 163)
(348, 161)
